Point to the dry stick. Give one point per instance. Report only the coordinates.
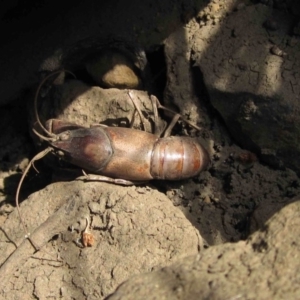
(55, 224)
(95, 177)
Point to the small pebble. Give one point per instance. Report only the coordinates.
(275, 50)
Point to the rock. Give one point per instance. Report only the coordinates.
(112, 69)
(266, 266)
(179, 88)
(85, 105)
(256, 93)
(136, 230)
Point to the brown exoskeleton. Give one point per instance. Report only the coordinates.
(121, 155)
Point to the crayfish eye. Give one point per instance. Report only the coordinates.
(64, 136)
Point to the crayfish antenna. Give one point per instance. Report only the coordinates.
(53, 137)
(35, 158)
(50, 134)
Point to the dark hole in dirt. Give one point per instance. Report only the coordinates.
(260, 247)
(295, 184)
(35, 181)
(241, 223)
(83, 75)
(5, 158)
(197, 193)
(55, 237)
(203, 96)
(199, 86)
(158, 67)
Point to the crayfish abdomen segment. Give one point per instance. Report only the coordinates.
(175, 158)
